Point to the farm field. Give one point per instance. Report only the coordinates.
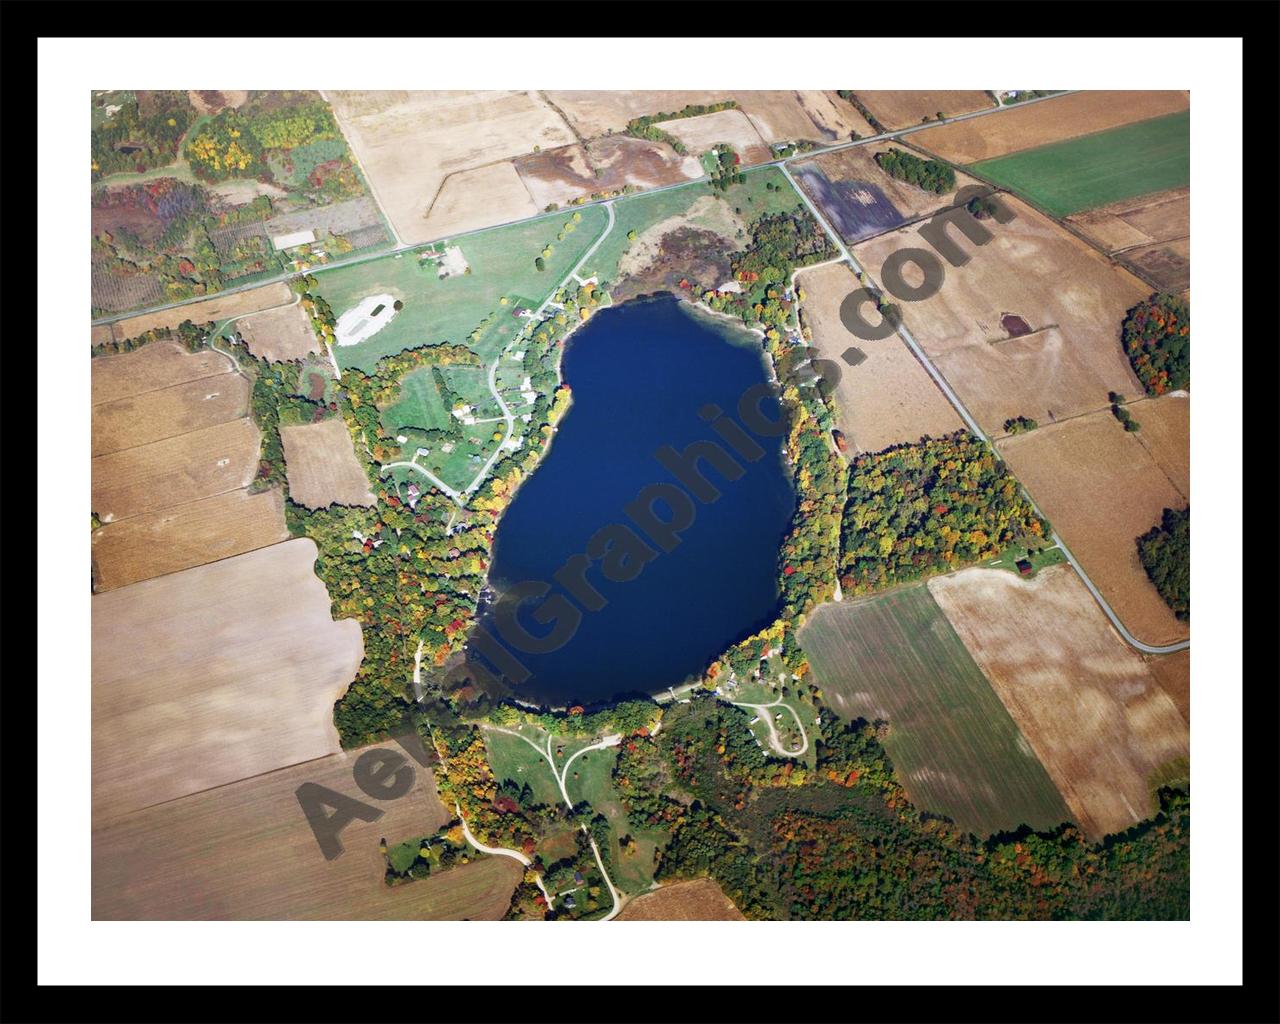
(184, 536)
(902, 108)
(1173, 673)
(888, 398)
(1066, 292)
(699, 899)
(279, 335)
(214, 675)
(244, 851)
(409, 143)
(175, 470)
(593, 112)
(707, 130)
(955, 748)
(477, 198)
(448, 310)
(1102, 487)
(1149, 234)
(1094, 170)
(791, 115)
(1086, 702)
(1052, 120)
(154, 415)
(154, 367)
(322, 466)
(220, 307)
(859, 199)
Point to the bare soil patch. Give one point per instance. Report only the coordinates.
(1151, 235)
(1070, 295)
(1086, 702)
(182, 536)
(1167, 265)
(322, 466)
(1101, 488)
(699, 899)
(903, 108)
(279, 335)
(409, 143)
(175, 470)
(211, 101)
(603, 165)
(154, 415)
(1037, 124)
(214, 675)
(702, 133)
(791, 115)
(162, 364)
(217, 308)
(99, 334)
(245, 852)
(886, 399)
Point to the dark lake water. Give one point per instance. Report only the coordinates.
(640, 373)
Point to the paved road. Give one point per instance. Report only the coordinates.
(972, 425)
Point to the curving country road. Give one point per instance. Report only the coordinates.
(972, 425)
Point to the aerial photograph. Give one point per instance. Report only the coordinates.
(639, 505)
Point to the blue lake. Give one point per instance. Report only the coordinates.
(640, 374)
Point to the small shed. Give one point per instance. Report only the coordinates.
(1024, 566)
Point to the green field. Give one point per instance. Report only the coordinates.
(512, 758)
(421, 404)
(501, 261)
(954, 747)
(1067, 177)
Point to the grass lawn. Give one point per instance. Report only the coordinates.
(512, 758)
(955, 748)
(1041, 559)
(1067, 177)
(631, 872)
(501, 261)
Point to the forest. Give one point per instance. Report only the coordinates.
(914, 510)
(930, 175)
(142, 134)
(1165, 552)
(1156, 334)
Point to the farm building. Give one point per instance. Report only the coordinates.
(292, 239)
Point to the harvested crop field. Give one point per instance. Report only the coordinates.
(219, 307)
(1173, 673)
(159, 365)
(1101, 488)
(593, 112)
(860, 200)
(1161, 217)
(1105, 167)
(322, 466)
(408, 143)
(1086, 702)
(99, 334)
(175, 470)
(903, 108)
(887, 398)
(477, 198)
(183, 536)
(1052, 120)
(699, 899)
(1069, 294)
(214, 675)
(245, 852)
(791, 115)
(703, 132)
(279, 335)
(954, 747)
(155, 415)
